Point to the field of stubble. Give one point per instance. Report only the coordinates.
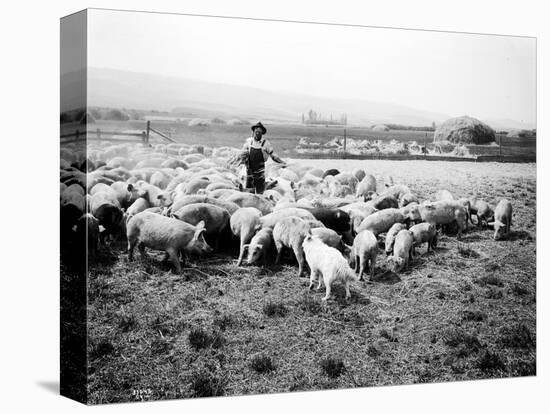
(465, 312)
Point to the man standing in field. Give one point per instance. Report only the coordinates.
(256, 151)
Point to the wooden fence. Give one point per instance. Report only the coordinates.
(114, 136)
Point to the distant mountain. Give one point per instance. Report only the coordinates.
(116, 88)
(507, 124)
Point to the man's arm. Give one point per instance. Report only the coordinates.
(272, 154)
(276, 158)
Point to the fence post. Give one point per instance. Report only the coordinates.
(500, 147)
(148, 131)
(425, 144)
(98, 134)
(345, 142)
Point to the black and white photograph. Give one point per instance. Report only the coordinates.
(258, 206)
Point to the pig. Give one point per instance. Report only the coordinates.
(153, 194)
(390, 237)
(366, 187)
(366, 208)
(288, 174)
(443, 195)
(290, 232)
(252, 200)
(468, 206)
(97, 188)
(156, 210)
(286, 187)
(74, 188)
(444, 212)
(411, 213)
(220, 185)
(482, 210)
(356, 218)
(259, 246)
(332, 171)
(384, 201)
(402, 250)
(329, 263)
(314, 223)
(74, 198)
(330, 202)
(330, 238)
(347, 180)
(192, 199)
(106, 209)
(359, 174)
(195, 185)
(381, 221)
(503, 219)
(334, 219)
(304, 202)
(422, 233)
(309, 181)
(406, 199)
(89, 225)
(364, 252)
(160, 179)
(396, 191)
(285, 203)
(245, 222)
(216, 219)
(337, 189)
(137, 206)
(174, 163)
(167, 234)
(273, 195)
(271, 219)
(317, 172)
(126, 194)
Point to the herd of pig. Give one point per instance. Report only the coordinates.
(186, 200)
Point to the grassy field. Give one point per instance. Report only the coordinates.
(286, 137)
(467, 311)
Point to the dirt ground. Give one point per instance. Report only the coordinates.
(466, 311)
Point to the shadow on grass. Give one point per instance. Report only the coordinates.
(471, 237)
(519, 235)
(387, 278)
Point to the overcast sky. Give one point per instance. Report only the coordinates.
(489, 77)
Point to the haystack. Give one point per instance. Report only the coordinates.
(465, 130)
(238, 122)
(521, 133)
(217, 121)
(380, 127)
(199, 122)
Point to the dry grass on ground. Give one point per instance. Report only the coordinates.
(465, 312)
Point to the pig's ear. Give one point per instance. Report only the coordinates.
(260, 246)
(200, 225)
(258, 226)
(130, 187)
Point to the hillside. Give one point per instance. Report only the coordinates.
(114, 88)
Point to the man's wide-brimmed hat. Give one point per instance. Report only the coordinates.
(259, 125)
